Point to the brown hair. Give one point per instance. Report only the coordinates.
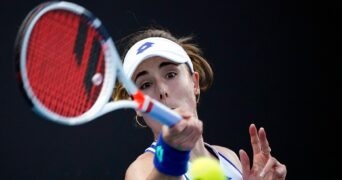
(195, 53)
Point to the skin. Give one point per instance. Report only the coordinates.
(166, 82)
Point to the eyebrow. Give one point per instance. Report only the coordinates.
(160, 66)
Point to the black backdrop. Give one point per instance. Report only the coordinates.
(267, 71)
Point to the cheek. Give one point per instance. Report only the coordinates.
(178, 85)
(151, 92)
(184, 89)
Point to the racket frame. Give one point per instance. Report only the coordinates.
(109, 72)
(113, 69)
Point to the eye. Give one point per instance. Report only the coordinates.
(145, 85)
(171, 75)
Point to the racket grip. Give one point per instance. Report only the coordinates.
(163, 114)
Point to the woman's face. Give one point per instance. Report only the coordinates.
(168, 82)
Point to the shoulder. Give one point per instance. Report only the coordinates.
(140, 167)
(228, 153)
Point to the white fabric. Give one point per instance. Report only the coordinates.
(154, 46)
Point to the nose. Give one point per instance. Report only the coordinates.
(163, 91)
(163, 95)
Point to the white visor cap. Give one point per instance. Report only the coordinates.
(151, 47)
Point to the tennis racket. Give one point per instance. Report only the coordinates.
(67, 66)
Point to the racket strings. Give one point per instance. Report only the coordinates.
(64, 54)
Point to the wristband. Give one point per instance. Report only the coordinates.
(170, 161)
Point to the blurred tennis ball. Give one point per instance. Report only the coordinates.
(205, 168)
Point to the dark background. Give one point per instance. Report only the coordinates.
(274, 62)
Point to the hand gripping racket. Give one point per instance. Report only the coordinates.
(67, 66)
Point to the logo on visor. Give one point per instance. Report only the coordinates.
(143, 47)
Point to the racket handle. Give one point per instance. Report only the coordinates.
(163, 114)
(155, 109)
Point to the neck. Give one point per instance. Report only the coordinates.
(199, 150)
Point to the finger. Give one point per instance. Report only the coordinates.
(186, 138)
(280, 170)
(245, 164)
(170, 134)
(182, 124)
(187, 143)
(269, 164)
(191, 134)
(265, 148)
(254, 139)
(178, 128)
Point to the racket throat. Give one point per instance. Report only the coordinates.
(144, 102)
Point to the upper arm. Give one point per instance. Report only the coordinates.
(140, 168)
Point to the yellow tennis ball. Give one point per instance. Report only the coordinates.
(205, 168)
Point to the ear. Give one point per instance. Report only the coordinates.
(196, 78)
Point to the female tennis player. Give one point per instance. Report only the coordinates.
(174, 72)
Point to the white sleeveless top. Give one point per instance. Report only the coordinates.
(230, 170)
